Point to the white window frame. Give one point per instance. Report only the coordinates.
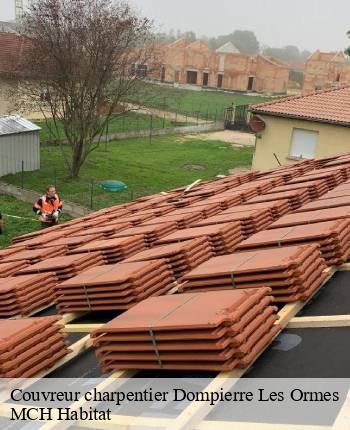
(308, 153)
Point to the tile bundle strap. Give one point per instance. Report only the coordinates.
(151, 329)
(87, 297)
(155, 347)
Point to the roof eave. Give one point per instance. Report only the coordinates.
(301, 117)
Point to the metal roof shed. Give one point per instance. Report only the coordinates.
(19, 145)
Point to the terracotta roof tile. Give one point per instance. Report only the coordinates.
(330, 106)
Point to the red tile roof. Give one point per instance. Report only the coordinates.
(329, 106)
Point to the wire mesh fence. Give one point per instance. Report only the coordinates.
(85, 191)
(132, 122)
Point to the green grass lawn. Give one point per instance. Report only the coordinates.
(17, 226)
(129, 121)
(145, 167)
(207, 103)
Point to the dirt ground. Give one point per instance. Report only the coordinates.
(237, 138)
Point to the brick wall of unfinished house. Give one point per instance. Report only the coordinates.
(181, 57)
(237, 69)
(271, 78)
(322, 74)
(202, 61)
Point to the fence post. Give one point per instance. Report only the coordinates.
(92, 194)
(150, 129)
(22, 175)
(197, 116)
(55, 176)
(106, 135)
(175, 119)
(164, 120)
(216, 113)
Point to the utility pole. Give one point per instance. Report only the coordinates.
(18, 10)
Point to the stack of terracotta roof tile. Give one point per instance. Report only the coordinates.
(114, 250)
(274, 180)
(296, 198)
(245, 191)
(147, 202)
(180, 201)
(320, 162)
(283, 174)
(324, 203)
(207, 209)
(133, 219)
(230, 181)
(217, 331)
(73, 241)
(31, 235)
(154, 212)
(315, 188)
(263, 185)
(67, 266)
(206, 190)
(105, 230)
(339, 191)
(33, 256)
(182, 220)
(344, 169)
(333, 178)
(116, 286)
(251, 221)
(332, 236)
(246, 177)
(341, 161)
(61, 229)
(9, 269)
(225, 200)
(310, 217)
(277, 208)
(119, 210)
(39, 241)
(222, 237)
(30, 345)
(21, 295)
(181, 257)
(151, 233)
(292, 272)
(84, 224)
(7, 252)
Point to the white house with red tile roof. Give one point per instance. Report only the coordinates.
(303, 127)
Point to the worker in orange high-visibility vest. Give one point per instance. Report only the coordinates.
(48, 207)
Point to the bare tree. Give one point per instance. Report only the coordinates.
(83, 55)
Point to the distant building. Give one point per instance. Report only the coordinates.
(304, 127)
(19, 145)
(11, 50)
(326, 70)
(196, 64)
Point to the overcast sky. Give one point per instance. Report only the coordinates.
(309, 24)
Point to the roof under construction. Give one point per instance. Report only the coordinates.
(212, 278)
